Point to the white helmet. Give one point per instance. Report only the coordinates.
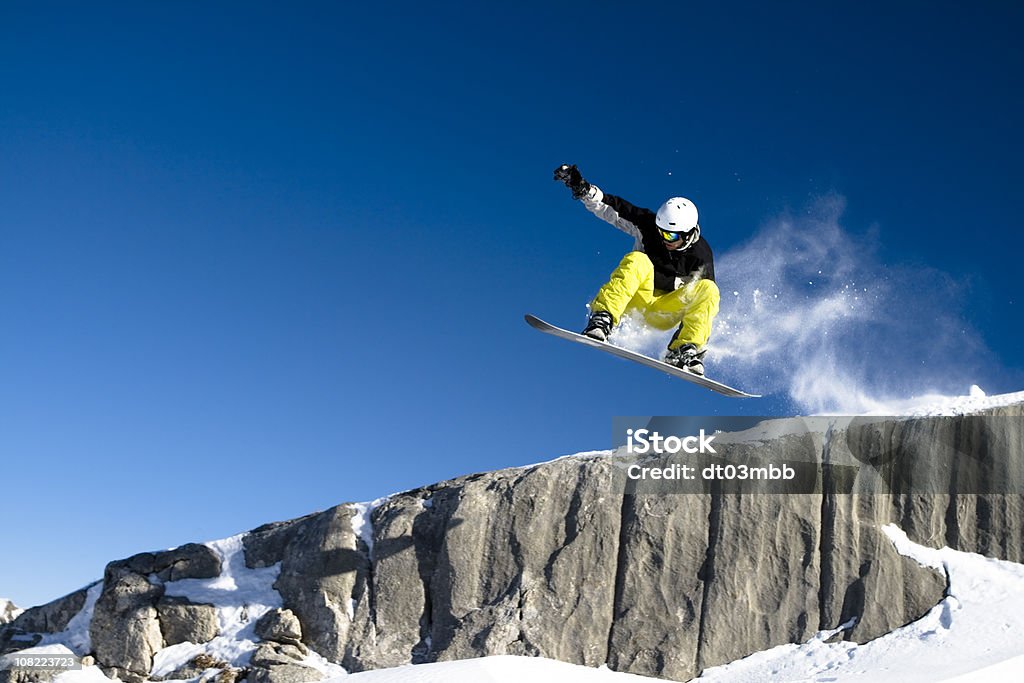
(679, 215)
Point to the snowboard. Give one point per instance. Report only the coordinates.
(711, 384)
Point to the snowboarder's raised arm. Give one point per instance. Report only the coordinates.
(609, 208)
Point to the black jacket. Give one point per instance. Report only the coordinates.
(693, 263)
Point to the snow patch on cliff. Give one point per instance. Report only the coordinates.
(936, 404)
(76, 635)
(362, 525)
(974, 634)
(8, 611)
(241, 596)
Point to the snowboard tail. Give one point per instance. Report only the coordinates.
(711, 384)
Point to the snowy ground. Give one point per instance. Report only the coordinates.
(975, 634)
(504, 669)
(934, 404)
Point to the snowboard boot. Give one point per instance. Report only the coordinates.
(599, 327)
(688, 358)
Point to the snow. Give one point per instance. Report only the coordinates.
(581, 455)
(76, 634)
(811, 312)
(930, 405)
(973, 634)
(362, 527)
(635, 334)
(323, 665)
(936, 404)
(241, 595)
(52, 650)
(819, 386)
(498, 669)
(87, 674)
(8, 611)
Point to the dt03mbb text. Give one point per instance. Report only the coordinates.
(712, 472)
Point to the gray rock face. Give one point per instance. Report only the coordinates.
(25, 676)
(555, 560)
(53, 617)
(26, 630)
(323, 575)
(559, 560)
(549, 537)
(8, 611)
(276, 663)
(182, 621)
(284, 673)
(125, 630)
(126, 624)
(14, 639)
(265, 545)
(280, 626)
(206, 668)
(190, 561)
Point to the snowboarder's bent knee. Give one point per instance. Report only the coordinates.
(669, 275)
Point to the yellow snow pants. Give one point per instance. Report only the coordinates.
(693, 307)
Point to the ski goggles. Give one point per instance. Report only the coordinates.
(670, 236)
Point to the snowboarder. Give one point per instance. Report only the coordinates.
(669, 276)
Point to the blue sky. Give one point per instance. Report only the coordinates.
(256, 261)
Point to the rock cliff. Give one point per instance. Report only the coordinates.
(558, 560)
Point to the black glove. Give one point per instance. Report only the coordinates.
(570, 175)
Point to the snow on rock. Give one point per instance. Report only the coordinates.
(8, 611)
(76, 635)
(324, 665)
(974, 634)
(929, 405)
(361, 524)
(87, 674)
(974, 629)
(937, 404)
(497, 669)
(241, 596)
